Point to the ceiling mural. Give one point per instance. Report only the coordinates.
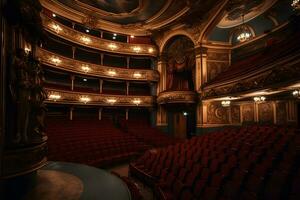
(249, 8)
(115, 6)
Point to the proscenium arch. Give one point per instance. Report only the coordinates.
(170, 36)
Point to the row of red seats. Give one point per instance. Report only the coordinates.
(250, 162)
(91, 142)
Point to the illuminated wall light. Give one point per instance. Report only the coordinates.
(132, 36)
(137, 49)
(137, 75)
(54, 97)
(259, 99)
(85, 68)
(185, 114)
(115, 34)
(85, 39)
(296, 93)
(27, 50)
(114, 38)
(56, 28)
(111, 101)
(87, 30)
(85, 80)
(136, 101)
(150, 50)
(112, 46)
(112, 72)
(225, 103)
(56, 60)
(295, 4)
(53, 15)
(85, 99)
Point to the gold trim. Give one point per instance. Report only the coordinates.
(90, 41)
(177, 97)
(76, 66)
(71, 97)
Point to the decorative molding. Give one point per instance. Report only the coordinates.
(177, 97)
(71, 65)
(98, 43)
(23, 160)
(70, 97)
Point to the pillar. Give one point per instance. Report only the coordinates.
(161, 67)
(203, 60)
(102, 56)
(72, 82)
(71, 113)
(100, 113)
(101, 34)
(101, 85)
(127, 87)
(127, 115)
(127, 62)
(73, 52)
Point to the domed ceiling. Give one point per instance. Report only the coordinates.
(132, 15)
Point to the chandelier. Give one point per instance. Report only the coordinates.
(243, 33)
(296, 4)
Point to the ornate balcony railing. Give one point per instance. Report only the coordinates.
(177, 97)
(70, 97)
(71, 65)
(90, 41)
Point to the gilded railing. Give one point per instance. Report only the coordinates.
(90, 41)
(71, 65)
(177, 97)
(70, 97)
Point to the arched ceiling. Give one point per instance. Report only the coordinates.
(139, 17)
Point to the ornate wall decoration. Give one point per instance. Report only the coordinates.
(98, 43)
(248, 112)
(215, 68)
(180, 64)
(69, 97)
(216, 114)
(177, 97)
(46, 57)
(265, 112)
(235, 114)
(281, 113)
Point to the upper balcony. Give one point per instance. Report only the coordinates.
(71, 65)
(97, 43)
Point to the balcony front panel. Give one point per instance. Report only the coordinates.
(80, 98)
(90, 41)
(171, 97)
(71, 65)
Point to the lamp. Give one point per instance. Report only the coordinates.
(243, 33)
(54, 97)
(259, 99)
(85, 99)
(111, 101)
(296, 4)
(296, 93)
(85, 68)
(136, 101)
(225, 103)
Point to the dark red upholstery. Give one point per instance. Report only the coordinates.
(256, 162)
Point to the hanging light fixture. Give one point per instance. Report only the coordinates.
(296, 4)
(296, 93)
(243, 33)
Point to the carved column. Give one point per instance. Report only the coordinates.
(198, 77)
(203, 58)
(161, 67)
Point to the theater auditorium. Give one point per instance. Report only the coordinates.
(150, 100)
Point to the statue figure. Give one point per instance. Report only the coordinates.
(20, 90)
(28, 95)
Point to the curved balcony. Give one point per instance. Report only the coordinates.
(68, 97)
(71, 65)
(169, 97)
(97, 43)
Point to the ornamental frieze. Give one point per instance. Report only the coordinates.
(98, 43)
(177, 97)
(70, 97)
(71, 65)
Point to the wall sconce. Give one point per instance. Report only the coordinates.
(296, 93)
(56, 60)
(226, 103)
(85, 39)
(85, 99)
(137, 75)
(85, 68)
(27, 50)
(296, 4)
(112, 46)
(111, 101)
(56, 28)
(111, 72)
(136, 101)
(137, 49)
(259, 99)
(150, 50)
(54, 97)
